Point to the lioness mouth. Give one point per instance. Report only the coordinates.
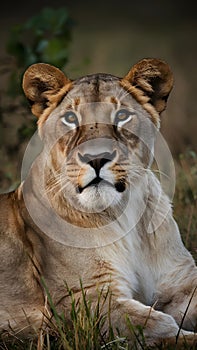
(119, 186)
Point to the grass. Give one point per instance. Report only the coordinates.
(185, 199)
(86, 329)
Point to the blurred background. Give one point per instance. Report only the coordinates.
(100, 36)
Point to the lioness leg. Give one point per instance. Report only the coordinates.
(156, 325)
(183, 309)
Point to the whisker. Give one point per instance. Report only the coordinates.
(160, 173)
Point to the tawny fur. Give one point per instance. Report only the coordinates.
(120, 244)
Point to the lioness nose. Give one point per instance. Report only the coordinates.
(97, 161)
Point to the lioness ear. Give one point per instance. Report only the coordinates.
(44, 85)
(155, 78)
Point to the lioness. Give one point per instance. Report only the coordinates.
(91, 209)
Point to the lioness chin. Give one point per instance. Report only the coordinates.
(91, 209)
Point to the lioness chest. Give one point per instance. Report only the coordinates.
(115, 266)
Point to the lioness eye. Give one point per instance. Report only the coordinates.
(70, 119)
(123, 116)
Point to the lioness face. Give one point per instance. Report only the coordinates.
(100, 131)
(100, 149)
